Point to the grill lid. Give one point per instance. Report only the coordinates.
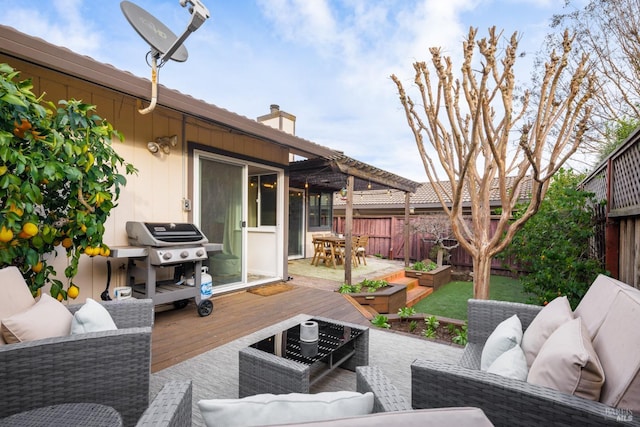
(163, 233)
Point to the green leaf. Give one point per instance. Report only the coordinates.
(13, 100)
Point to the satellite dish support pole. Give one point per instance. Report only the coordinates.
(154, 87)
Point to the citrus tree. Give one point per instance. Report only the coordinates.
(59, 181)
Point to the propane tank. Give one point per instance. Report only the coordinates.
(206, 284)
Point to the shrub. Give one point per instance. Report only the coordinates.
(553, 246)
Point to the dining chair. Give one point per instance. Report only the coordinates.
(361, 249)
(321, 251)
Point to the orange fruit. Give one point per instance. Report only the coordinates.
(91, 251)
(37, 268)
(105, 251)
(5, 234)
(73, 292)
(30, 229)
(15, 209)
(67, 242)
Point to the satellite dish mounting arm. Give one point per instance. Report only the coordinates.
(199, 14)
(147, 26)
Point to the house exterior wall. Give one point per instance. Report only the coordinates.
(156, 193)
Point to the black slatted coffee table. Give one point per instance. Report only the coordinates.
(282, 363)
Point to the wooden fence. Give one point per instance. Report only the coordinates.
(386, 239)
(617, 239)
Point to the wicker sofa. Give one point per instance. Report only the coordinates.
(390, 408)
(512, 402)
(110, 367)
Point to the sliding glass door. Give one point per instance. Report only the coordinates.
(220, 212)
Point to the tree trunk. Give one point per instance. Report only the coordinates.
(481, 276)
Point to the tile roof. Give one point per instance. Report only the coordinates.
(424, 197)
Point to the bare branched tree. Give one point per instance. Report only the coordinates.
(437, 229)
(610, 31)
(469, 122)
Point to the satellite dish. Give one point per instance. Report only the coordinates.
(154, 32)
(164, 44)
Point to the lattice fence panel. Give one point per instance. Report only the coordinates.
(598, 185)
(626, 179)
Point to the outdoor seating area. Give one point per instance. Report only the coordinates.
(86, 374)
(411, 380)
(592, 382)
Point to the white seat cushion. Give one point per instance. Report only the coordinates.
(273, 409)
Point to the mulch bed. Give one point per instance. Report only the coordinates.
(443, 335)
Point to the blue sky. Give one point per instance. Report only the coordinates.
(327, 62)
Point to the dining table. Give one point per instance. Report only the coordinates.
(330, 249)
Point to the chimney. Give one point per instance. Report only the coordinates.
(279, 119)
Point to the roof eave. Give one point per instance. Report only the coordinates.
(65, 61)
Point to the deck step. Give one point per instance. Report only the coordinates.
(394, 277)
(409, 282)
(417, 293)
(367, 311)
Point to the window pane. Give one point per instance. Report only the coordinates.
(252, 201)
(325, 210)
(320, 210)
(268, 199)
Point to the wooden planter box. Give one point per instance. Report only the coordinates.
(385, 300)
(432, 279)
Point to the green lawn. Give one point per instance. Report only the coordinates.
(451, 299)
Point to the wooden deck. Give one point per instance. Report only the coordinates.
(182, 334)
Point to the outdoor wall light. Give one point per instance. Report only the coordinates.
(163, 143)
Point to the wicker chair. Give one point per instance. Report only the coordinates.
(111, 368)
(386, 396)
(505, 401)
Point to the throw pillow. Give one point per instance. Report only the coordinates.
(568, 363)
(46, 318)
(505, 336)
(92, 317)
(16, 296)
(556, 313)
(273, 409)
(511, 364)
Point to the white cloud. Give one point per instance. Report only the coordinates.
(62, 24)
(326, 61)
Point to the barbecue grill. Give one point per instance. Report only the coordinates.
(158, 246)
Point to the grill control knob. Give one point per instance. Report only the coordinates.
(199, 252)
(167, 255)
(184, 254)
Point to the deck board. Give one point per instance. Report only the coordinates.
(180, 334)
